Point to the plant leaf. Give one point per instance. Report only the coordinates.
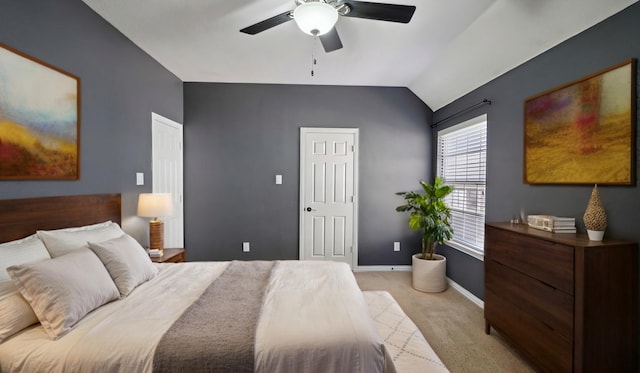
(429, 214)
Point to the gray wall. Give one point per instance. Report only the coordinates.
(120, 87)
(239, 136)
(608, 43)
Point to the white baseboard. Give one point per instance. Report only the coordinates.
(404, 268)
(407, 268)
(466, 293)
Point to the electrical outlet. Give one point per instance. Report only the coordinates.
(396, 246)
(245, 247)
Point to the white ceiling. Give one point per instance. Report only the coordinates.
(449, 48)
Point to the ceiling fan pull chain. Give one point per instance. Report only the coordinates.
(313, 55)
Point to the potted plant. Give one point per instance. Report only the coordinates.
(429, 215)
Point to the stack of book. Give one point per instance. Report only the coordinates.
(550, 223)
(155, 253)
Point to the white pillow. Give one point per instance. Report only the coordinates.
(16, 312)
(63, 241)
(127, 262)
(61, 291)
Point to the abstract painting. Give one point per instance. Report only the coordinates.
(583, 132)
(39, 119)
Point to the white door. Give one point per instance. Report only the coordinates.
(167, 174)
(328, 203)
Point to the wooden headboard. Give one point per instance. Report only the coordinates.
(22, 217)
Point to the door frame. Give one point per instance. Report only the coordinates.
(356, 175)
(157, 119)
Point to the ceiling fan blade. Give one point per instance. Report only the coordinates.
(268, 23)
(380, 11)
(331, 41)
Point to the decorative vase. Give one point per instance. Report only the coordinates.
(595, 235)
(429, 276)
(595, 219)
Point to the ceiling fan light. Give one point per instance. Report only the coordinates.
(315, 18)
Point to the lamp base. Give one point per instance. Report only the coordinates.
(156, 235)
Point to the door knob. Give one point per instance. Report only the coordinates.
(310, 209)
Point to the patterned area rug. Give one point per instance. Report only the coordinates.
(409, 350)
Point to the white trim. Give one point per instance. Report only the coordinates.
(467, 123)
(356, 177)
(407, 268)
(455, 286)
(466, 249)
(166, 121)
(402, 268)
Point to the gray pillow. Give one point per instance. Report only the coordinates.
(63, 241)
(16, 313)
(61, 291)
(127, 262)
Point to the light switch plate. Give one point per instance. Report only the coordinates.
(396, 246)
(278, 179)
(139, 178)
(245, 247)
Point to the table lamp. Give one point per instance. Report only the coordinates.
(154, 205)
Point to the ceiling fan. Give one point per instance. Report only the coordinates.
(318, 17)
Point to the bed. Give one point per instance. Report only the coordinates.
(104, 308)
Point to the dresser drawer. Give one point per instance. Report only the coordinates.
(548, 350)
(552, 307)
(549, 262)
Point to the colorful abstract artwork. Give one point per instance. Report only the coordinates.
(583, 132)
(39, 119)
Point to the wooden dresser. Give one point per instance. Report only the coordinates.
(567, 303)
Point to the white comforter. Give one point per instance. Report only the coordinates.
(314, 319)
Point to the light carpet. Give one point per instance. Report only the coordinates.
(451, 323)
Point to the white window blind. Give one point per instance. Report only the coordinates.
(462, 159)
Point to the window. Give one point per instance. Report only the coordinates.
(462, 159)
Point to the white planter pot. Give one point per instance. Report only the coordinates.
(595, 235)
(429, 276)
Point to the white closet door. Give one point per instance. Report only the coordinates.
(328, 184)
(167, 174)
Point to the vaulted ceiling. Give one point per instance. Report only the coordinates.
(449, 47)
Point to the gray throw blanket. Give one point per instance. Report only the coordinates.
(217, 332)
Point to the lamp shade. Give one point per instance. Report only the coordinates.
(153, 205)
(315, 18)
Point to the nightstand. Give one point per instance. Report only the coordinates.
(171, 256)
